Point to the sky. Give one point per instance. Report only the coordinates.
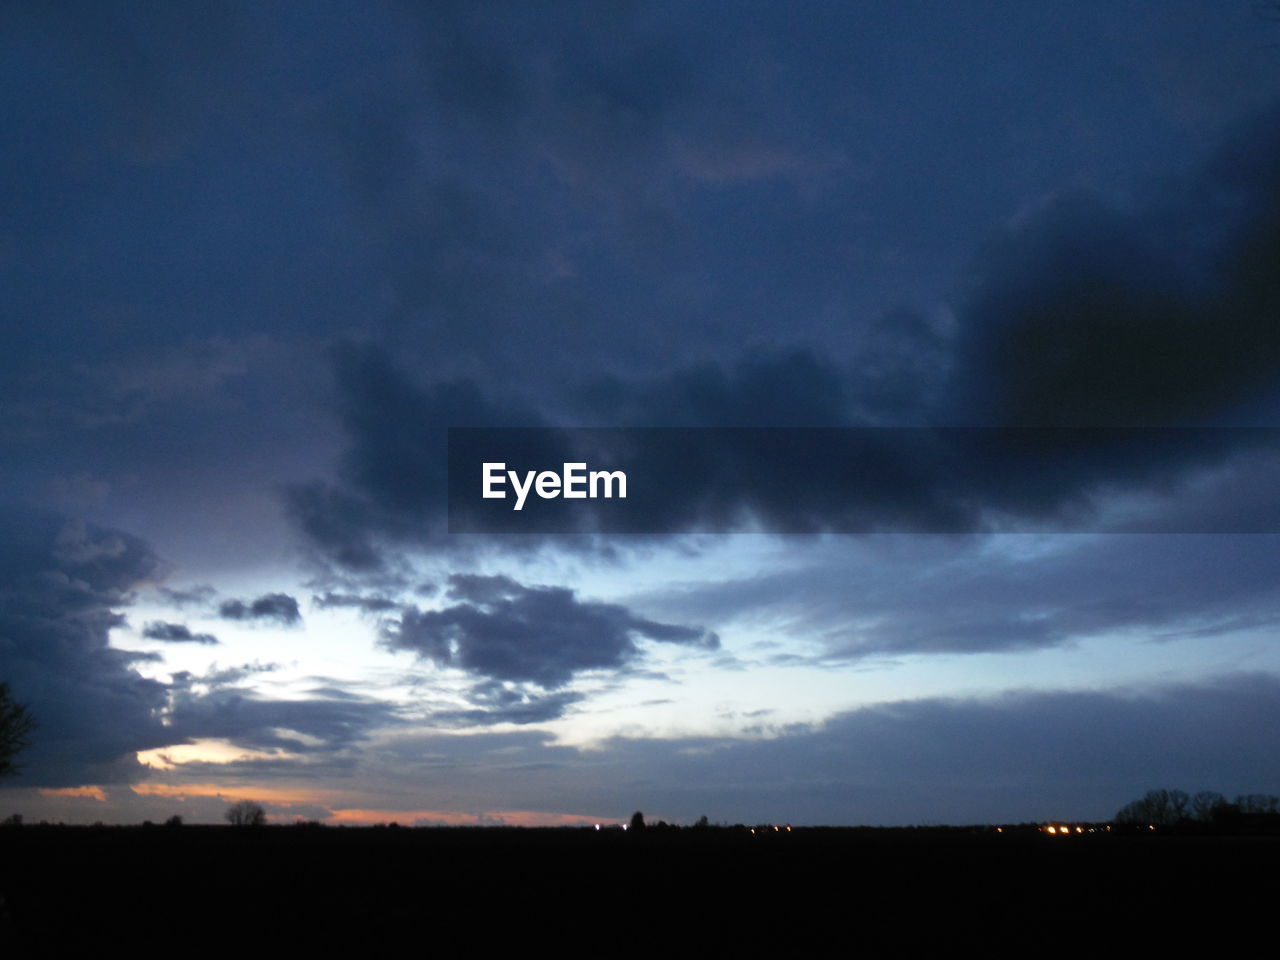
(257, 259)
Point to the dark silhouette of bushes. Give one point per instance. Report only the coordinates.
(1207, 809)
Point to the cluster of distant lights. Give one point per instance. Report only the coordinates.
(1053, 829)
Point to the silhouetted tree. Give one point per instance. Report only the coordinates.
(1258, 803)
(246, 813)
(1163, 808)
(15, 724)
(1204, 803)
(1170, 807)
(637, 821)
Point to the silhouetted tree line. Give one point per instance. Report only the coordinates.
(1172, 808)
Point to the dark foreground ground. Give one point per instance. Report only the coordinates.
(254, 891)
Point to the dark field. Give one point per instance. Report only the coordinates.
(75, 889)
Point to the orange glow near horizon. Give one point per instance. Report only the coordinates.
(90, 793)
(283, 796)
(340, 815)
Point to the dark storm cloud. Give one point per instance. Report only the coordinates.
(506, 631)
(1093, 314)
(280, 607)
(394, 470)
(1160, 315)
(60, 584)
(396, 424)
(534, 197)
(393, 487)
(175, 633)
(343, 527)
(848, 480)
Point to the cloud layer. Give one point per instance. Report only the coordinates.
(258, 260)
(503, 630)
